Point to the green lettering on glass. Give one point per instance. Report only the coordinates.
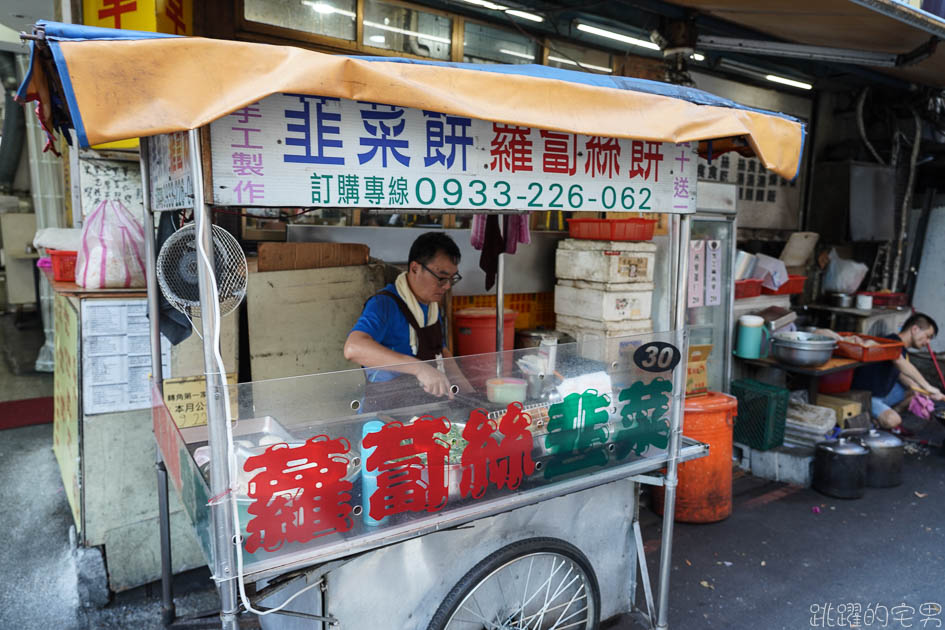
(574, 438)
(643, 417)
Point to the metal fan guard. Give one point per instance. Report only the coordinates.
(178, 257)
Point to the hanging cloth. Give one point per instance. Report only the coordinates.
(516, 231)
(493, 246)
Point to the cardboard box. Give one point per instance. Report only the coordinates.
(845, 409)
(697, 369)
(282, 256)
(186, 399)
(862, 396)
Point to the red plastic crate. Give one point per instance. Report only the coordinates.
(795, 284)
(749, 287)
(882, 299)
(63, 264)
(612, 229)
(884, 350)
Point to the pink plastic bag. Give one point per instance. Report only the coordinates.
(921, 406)
(111, 254)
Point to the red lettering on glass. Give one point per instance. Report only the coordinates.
(410, 460)
(300, 493)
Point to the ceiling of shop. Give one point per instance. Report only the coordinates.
(828, 23)
(834, 23)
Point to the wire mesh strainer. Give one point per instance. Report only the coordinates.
(177, 270)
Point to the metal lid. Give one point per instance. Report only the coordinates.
(880, 439)
(843, 446)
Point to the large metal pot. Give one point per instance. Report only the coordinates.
(844, 300)
(884, 464)
(840, 468)
(802, 348)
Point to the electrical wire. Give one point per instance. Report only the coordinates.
(231, 452)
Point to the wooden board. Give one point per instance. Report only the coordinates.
(299, 319)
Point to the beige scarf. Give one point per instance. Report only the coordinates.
(433, 310)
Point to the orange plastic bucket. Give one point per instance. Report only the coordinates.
(704, 492)
(475, 330)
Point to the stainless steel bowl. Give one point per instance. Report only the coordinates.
(803, 349)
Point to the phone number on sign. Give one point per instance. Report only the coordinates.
(500, 194)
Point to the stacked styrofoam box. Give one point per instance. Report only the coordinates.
(604, 290)
(806, 425)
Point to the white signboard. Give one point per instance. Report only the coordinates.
(294, 150)
(116, 355)
(172, 186)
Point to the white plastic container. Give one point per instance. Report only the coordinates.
(604, 341)
(605, 261)
(603, 302)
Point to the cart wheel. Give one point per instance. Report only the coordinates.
(537, 583)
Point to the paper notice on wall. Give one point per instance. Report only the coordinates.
(116, 355)
(696, 273)
(713, 273)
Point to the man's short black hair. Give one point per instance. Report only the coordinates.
(922, 321)
(428, 245)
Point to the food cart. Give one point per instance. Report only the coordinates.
(501, 505)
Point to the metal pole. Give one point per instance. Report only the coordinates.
(168, 611)
(681, 236)
(499, 313)
(730, 306)
(221, 511)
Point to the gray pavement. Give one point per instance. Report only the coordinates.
(784, 550)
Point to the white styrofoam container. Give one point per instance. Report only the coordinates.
(580, 299)
(604, 341)
(605, 261)
(604, 329)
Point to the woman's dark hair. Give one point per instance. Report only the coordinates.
(922, 321)
(428, 245)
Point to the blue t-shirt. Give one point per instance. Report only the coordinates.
(383, 321)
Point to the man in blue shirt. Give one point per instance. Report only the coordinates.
(889, 382)
(401, 328)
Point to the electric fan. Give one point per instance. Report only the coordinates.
(177, 272)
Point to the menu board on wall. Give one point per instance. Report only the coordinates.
(116, 355)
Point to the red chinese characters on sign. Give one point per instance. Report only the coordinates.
(505, 463)
(115, 8)
(299, 494)
(560, 153)
(410, 460)
(174, 11)
(511, 149)
(603, 157)
(645, 158)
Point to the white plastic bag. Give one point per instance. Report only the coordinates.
(772, 271)
(843, 276)
(111, 253)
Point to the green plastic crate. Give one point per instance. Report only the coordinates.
(762, 410)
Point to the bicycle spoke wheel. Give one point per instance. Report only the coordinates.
(533, 584)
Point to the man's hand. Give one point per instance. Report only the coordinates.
(433, 381)
(936, 394)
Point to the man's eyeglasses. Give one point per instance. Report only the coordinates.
(443, 281)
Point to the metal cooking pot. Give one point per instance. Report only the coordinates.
(844, 300)
(802, 348)
(884, 464)
(840, 468)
